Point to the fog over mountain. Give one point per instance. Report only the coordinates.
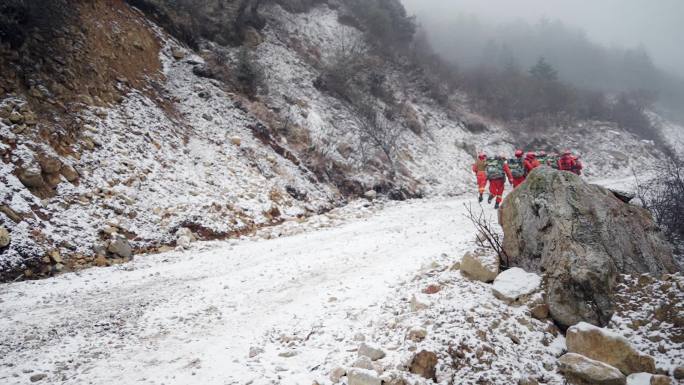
(654, 25)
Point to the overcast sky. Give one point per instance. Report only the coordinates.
(658, 25)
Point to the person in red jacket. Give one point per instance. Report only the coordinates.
(516, 169)
(497, 171)
(570, 162)
(480, 170)
(531, 162)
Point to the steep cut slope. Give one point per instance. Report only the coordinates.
(117, 137)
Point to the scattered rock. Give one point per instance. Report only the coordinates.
(419, 302)
(605, 346)
(372, 352)
(69, 173)
(16, 118)
(38, 377)
(120, 246)
(31, 176)
(49, 164)
(359, 337)
(101, 261)
(540, 311)
(527, 380)
(432, 288)
(236, 141)
(639, 379)
(417, 334)
(371, 195)
(5, 238)
(255, 351)
(363, 362)
(337, 373)
(423, 364)
(679, 373)
(480, 267)
(582, 237)
(580, 370)
(660, 380)
(514, 284)
(358, 376)
(177, 53)
(288, 354)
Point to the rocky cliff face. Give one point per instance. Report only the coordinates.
(581, 237)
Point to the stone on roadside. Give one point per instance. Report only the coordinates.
(120, 246)
(419, 302)
(336, 374)
(480, 266)
(679, 373)
(358, 376)
(37, 377)
(417, 334)
(5, 238)
(236, 141)
(371, 195)
(659, 379)
(540, 311)
(424, 364)
(580, 370)
(363, 362)
(515, 284)
(372, 352)
(606, 346)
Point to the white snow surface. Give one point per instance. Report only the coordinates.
(294, 304)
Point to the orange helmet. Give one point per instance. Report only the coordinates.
(519, 153)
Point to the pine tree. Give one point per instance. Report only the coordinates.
(544, 71)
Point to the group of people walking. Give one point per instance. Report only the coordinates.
(498, 169)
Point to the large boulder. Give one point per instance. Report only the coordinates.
(581, 236)
(580, 370)
(608, 347)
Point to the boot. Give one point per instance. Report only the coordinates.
(496, 206)
(481, 198)
(489, 200)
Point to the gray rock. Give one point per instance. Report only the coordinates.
(4, 237)
(580, 370)
(581, 236)
(120, 246)
(371, 195)
(480, 266)
(372, 352)
(357, 376)
(37, 377)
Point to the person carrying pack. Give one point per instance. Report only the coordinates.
(531, 162)
(567, 162)
(497, 170)
(480, 170)
(518, 173)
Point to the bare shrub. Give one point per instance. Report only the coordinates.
(662, 196)
(488, 236)
(249, 74)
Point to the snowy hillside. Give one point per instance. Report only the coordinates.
(217, 163)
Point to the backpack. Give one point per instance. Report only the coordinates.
(566, 163)
(517, 167)
(553, 162)
(495, 169)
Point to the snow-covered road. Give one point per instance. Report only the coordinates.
(193, 317)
